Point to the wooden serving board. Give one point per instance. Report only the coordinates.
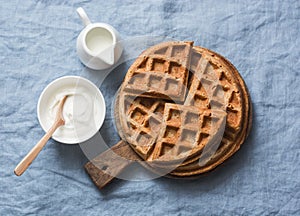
(106, 166)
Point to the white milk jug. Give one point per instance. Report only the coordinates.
(98, 44)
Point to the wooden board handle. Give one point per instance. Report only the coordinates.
(104, 167)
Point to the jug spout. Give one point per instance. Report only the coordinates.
(107, 55)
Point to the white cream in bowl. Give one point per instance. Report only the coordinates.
(83, 111)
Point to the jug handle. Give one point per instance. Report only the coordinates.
(83, 16)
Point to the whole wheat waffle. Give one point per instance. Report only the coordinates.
(138, 121)
(164, 132)
(239, 113)
(161, 71)
(183, 109)
(184, 130)
(203, 92)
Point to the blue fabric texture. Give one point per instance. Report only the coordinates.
(261, 38)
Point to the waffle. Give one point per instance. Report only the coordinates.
(140, 123)
(184, 110)
(161, 72)
(238, 108)
(145, 117)
(185, 131)
(239, 118)
(213, 86)
(153, 126)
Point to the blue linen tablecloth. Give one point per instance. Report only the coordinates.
(261, 38)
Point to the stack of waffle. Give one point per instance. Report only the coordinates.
(183, 109)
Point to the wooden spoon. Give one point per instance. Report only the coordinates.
(27, 160)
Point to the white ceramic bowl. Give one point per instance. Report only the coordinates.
(80, 133)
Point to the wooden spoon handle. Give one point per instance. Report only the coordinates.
(106, 166)
(27, 160)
